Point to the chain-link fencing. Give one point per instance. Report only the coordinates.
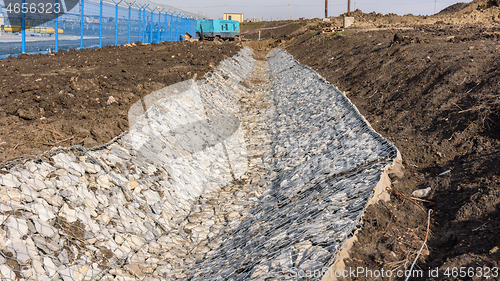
(34, 26)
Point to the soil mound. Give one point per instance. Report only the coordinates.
(432, 90)
(82, 97)
(453, 8)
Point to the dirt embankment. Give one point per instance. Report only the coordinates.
(477, 11)
(432, 90)
(275, 30)
(83, 97)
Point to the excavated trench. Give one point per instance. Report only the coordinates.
(260, 171)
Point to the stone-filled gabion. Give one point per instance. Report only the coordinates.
(107, 212)
(325, 162)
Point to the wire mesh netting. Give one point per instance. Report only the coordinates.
(198, 190)
(108, 213)
(87, 24)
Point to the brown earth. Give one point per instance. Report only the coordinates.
(83, 97)
(271, 30)
(433, 91)
(478, 11)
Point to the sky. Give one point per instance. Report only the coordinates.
(278, 9)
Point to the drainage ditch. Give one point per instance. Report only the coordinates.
(260, 170)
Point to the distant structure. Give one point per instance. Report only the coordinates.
(252, 20)
(233, 16)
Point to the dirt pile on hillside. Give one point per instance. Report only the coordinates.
(432, 90)
(271, 30)
(485, 12)
(83, 97)
(482, 11)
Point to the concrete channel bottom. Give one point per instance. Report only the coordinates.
(260, 171)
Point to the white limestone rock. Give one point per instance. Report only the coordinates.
(421, 193)
(103, 181)
(43, 228)
(67, 180)
(28, 194)
(91, 168)
(51, 197)
(118, 179)
(140, 270)
(259, 270)
(36, 183)
(20, 251)
(152, 197)
(68, 213)
(50, 267)
(10, 180)
(7, 272)
(63, 257)
(74, 273)
(17, 227)
(43, 209)
(10, 194)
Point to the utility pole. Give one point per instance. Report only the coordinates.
(326, 9)
(288, 11)
(348, 8)
(435, 6)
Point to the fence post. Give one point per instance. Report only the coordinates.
(174, 27)
(129, 12)
(177, 22)
(192, 26)
(81, 24)
(186, 23)
(179, 28)
(116, 21)
(140, 9)
(151, 25)
(56, 47)
(171, 27)
(23, 28)
(144, 22)
(159, 25)
(181, 22)
(166, 24)
(100, 24)
(129, 16)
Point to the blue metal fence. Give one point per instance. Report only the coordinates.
(93, 24)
